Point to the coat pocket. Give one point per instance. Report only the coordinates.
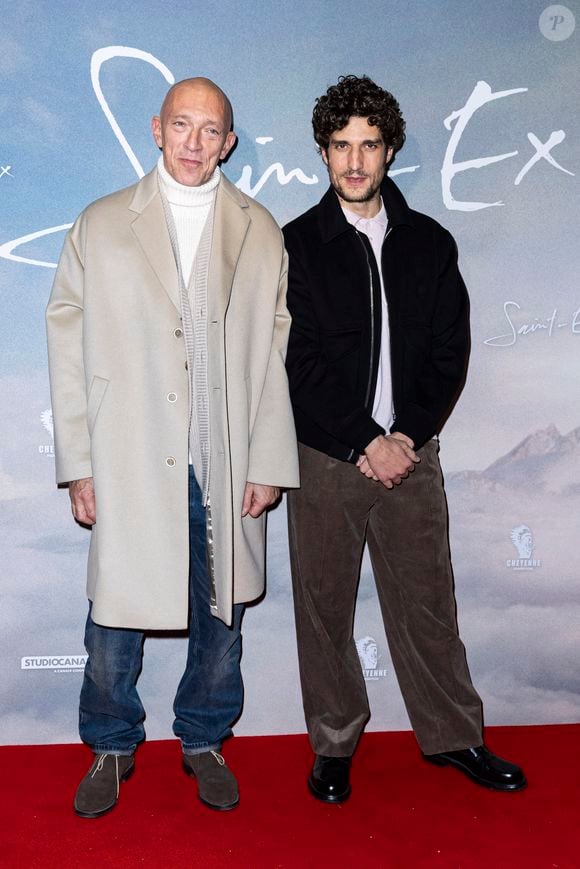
(95, 399)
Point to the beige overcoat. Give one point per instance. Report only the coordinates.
(120, 400)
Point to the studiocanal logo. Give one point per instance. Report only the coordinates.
(56, 663)
(523, 540)
(368, 653)
(46, 420)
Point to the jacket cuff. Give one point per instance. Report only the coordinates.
(416, 423)
(66, 473)
(362, 431)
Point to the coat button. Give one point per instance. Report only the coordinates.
(178, 333)
(170, 462)
(172, 396)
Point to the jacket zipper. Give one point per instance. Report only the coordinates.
(387, 233)
(372, 301)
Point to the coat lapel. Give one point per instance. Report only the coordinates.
(231, 224)
(150, 228)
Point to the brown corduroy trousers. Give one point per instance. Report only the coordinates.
(330, 517)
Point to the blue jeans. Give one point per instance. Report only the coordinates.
(210, 693)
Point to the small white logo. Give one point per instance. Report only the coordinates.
(522, 538)
(57, 663)
(557, 23)
(46, 420)
(368, 653)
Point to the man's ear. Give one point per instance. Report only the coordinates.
(324, 155)
(390, 154)
(156, 129)
(229, 143)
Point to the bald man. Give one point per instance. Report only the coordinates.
(167, 330)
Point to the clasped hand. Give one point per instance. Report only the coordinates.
(388, 459)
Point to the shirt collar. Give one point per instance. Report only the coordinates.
(378, 223)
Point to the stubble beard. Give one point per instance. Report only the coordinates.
(352, 196)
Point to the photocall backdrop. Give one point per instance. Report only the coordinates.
(489, 92)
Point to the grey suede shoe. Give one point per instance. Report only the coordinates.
(216, 784)
(98, 791)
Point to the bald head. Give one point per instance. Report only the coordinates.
(193, 129)
(200, 85)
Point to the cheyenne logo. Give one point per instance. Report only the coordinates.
(369, 657)
(58, 663)
(523, 540)
(46, 420)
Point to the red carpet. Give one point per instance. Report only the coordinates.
(404, 813)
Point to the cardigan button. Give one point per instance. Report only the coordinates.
(170, 462)
(172, 396)
(178, 333)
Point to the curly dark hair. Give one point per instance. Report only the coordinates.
(361, 98)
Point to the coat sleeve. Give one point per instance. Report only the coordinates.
(64, 325)
(440, 382)
(316, 389)
(273, 454)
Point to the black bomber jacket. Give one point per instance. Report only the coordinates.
(334, 346)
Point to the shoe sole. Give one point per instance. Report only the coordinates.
(339, 798)
(494, 786)
(126, 775)
(227, 808)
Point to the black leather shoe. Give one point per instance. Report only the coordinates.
(328, 780)
(483, 767)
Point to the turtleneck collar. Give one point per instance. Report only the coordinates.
(181, 194)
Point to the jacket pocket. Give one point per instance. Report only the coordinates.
(337, 343)
(95, 399)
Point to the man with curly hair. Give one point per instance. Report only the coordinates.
(376, 359)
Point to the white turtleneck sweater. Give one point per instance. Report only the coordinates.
(190, 207)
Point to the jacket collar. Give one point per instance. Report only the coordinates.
(231, 224)
(150, 228)
(332, 221)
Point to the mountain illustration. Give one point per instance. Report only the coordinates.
(545, 460)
